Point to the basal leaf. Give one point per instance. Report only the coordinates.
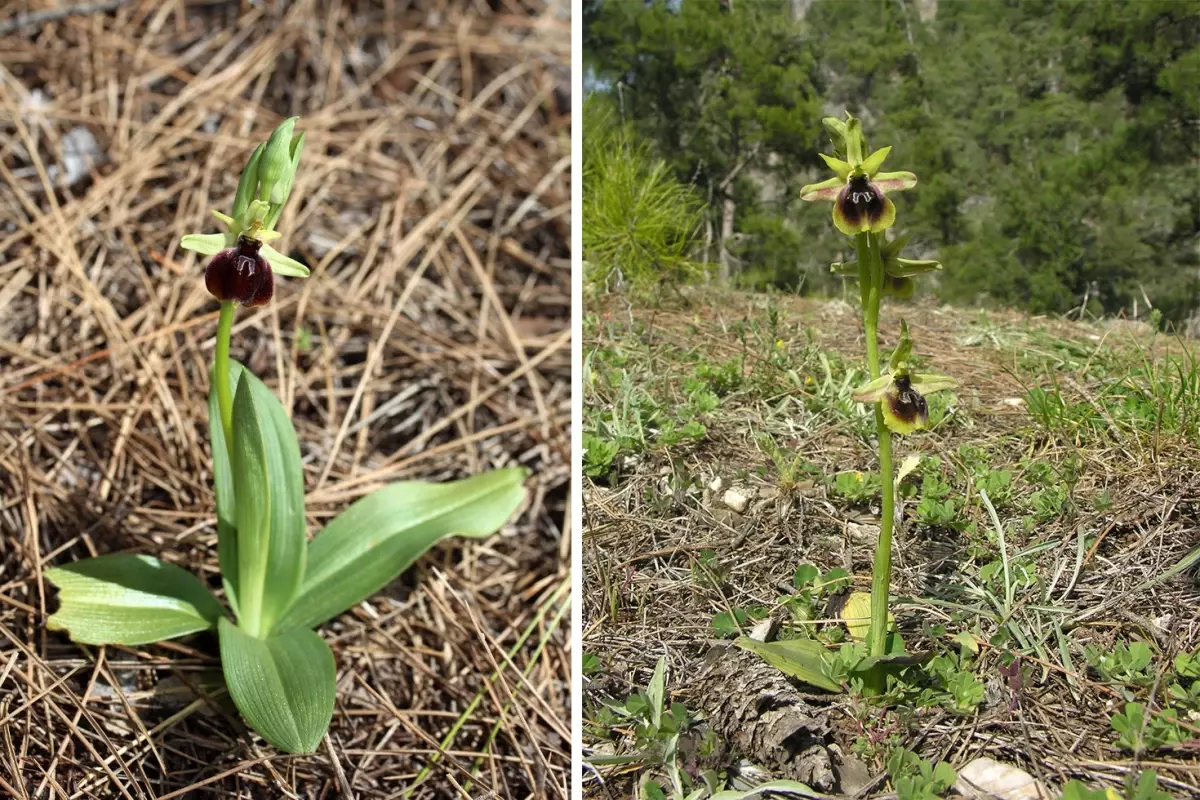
(223, 489)
(378, 537)
(129, 599)
(269, 491)
(800, 658)
(284, 685)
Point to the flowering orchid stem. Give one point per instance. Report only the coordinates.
(871, 278)
(221, 368)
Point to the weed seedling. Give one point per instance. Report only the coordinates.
(914, 778)
(279, 586)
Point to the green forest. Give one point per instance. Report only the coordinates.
(1056, 143)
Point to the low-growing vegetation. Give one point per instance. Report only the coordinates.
(1044, 595)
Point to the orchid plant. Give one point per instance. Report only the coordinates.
(862, 210)
(278, 585)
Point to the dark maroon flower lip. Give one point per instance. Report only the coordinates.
(859, 201)
(240, 274)
(906, 403)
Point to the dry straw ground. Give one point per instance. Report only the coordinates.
(648, 595)
(430, 342)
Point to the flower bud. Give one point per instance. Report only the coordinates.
(276, 166)
(240, 274)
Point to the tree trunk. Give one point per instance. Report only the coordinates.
(728, 207)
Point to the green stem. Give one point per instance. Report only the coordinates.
(871, 268)
(221, 368)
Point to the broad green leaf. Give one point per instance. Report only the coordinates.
(129, 599)
(283, 685)
(800, 658)
(656, 691)
(378, 537)
(223, 489)
(775, 790)
(269, 490)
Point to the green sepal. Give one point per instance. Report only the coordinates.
(888, 182)
(899, 361)
(129, 599)
(907, 267)
(856, 143)
(283, 265)
(825, 190)
(283, 685)
(873, 391)
(928, 383)
(206, 244)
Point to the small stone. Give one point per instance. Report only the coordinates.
(765, 630)
(862, 534)
(735, 500)
(988, 778)
(717, 485)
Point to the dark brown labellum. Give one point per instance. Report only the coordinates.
(240, 274)
(907, 404)
(860, 199)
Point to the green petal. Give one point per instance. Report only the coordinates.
(928, 383)
(907, 267)
(842, 169)
(825, 190)
(894, 181)
(873, 391)
(282, 265)
(229, 222)
(206, 244)
(874, 161)
(887, 217)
